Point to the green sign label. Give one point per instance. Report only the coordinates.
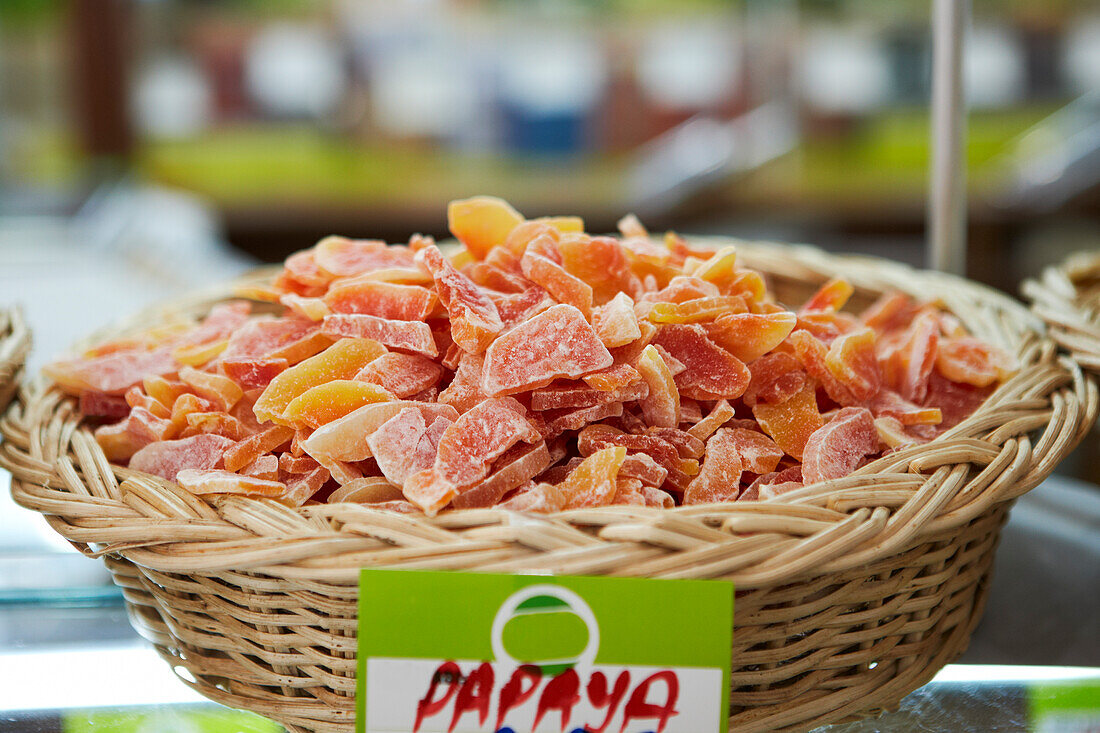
(1065, 706)
(471, 652)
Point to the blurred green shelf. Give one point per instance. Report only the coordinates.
(265, 167)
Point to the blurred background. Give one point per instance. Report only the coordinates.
(290, 119)
(153, 146)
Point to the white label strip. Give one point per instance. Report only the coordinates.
(398, 688)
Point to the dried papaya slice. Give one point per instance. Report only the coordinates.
(475, 321)
(852, 361)
(812, 353)
(759, 453)
(478, 437)
(342, 360)
(697, 310)
(214, 423)
(711, 372)
(616, 323)
(556, 343)
(830, 298)
(594, 481)
(719, 415)
(246, 451)
(169, 457)
(226, 482)
(482, 223)
(720, 477)
(331, 401)
(252, 373)
(391, 301)
(218, 325)
(837, 448)
(222, 391)
(749, 336)
(553, 278)
(719, 267)
(402, 375)
(907, 366)
(103, 406)
(138, 429)
(613, 378)
(112, 373)
(197, 355)
(599, 261)
(411, 336)
(464, 391)
(265, 337)
(791, 423)
(972, 361)
(135, 397)
(517, 466)
(343, 257)
(520, 307)
(346, 439)
(310, 309)
(661, 406)
(265, 467)
(403, 446)
(640, 466)
(537, 499)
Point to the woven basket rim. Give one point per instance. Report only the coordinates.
(1071, 315)
(879, 510)
(15, 345)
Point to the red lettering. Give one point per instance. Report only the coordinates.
(476, 694)
(512, 695)
(599, 696)
(639, 707)
(561, 693)
(428, 706)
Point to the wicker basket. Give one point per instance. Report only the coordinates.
(15, 343)
(1067, 297)
(850, 594)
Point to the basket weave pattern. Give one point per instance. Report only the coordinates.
(850, 593)
(15, 344)
(1067, 297)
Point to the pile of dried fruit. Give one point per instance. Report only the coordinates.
(540, 368)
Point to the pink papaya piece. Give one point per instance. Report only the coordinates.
(556, 343)
(464, 391)
(402, 375)
(391, 301)
(342, 257)
(467, 450)
(475, 321)
(839, 446)
(112, 373)
(719, 478)
(169, 457)
(478, 437)
(518, 465)
(411, 336)
(264, 336)
(402, 445)
(711, 372)
(759, 453)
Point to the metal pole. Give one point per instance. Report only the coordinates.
(947, 190)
